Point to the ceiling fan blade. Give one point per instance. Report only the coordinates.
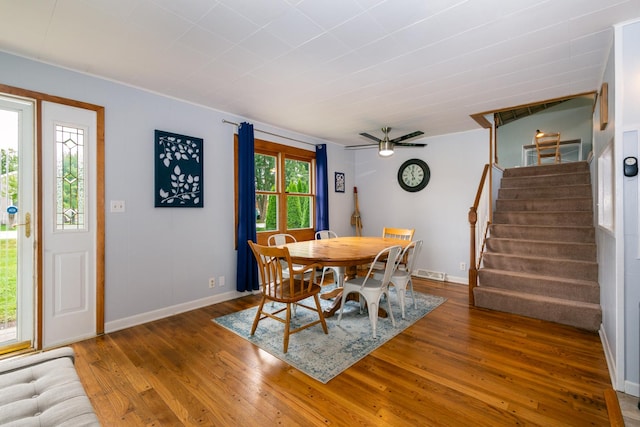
(409, 144)
(370, 137)
(358, 147)
(407, 136)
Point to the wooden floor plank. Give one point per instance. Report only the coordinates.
(458, 365)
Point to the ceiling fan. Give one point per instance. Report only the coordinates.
(386, 145)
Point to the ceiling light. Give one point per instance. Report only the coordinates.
(539, 133)
(385, 148)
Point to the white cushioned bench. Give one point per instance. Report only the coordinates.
(43, 389)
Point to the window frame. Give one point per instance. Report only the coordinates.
(282, 152)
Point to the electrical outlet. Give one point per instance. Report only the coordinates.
(463, 266)
(212, 282)
(221, 281)
(117, 206)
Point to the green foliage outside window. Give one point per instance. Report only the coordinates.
(297, 178)
(8, 170)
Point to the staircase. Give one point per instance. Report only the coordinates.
(540, 258)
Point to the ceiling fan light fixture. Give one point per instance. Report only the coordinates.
(385, 148)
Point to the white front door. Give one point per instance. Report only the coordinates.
(69, 221)
(17, 224)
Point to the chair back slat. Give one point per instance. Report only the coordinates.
(548, 145)
(273, 261)
(280, 239)
(398, 233)
(389, 256)
(409, 254)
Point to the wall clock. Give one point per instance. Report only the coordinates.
(414, 175)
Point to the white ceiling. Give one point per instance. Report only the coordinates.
(330, 68)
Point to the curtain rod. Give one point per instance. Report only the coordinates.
(270, 133)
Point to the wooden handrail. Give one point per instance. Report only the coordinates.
(473, 219)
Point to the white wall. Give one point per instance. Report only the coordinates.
(606, 240)
(439, 212)
(629, 89)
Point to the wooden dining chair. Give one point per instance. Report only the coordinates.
(279, 240)
(372, 289)
(290, 291)
(398, 233)
(548, 145)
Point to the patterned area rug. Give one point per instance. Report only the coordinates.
(321, 356)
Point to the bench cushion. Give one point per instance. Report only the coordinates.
(44, 390)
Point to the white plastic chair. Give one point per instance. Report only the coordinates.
(337, 271)
(372, 289)
(401, 277)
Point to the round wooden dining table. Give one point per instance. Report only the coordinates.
(340, 252)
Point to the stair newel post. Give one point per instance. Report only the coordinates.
(473, 219)
(473, 271)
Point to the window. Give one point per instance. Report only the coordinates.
(70, 183)
(285, 191)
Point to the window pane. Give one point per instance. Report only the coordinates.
(299, 211)
(266, 212)
(70, 197)
(265, 172)
(297, 176)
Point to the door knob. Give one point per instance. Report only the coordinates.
(27, 225)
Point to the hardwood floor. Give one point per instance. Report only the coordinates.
(456, 366)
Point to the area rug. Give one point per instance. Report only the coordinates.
(321, 356)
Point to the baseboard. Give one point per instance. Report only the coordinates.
(150, 316)
(608, 355)
(632, 389)
(459, 280)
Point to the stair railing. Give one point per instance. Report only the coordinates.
(480, 211)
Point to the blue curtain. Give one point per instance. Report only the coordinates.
(322, 188)
(247, 270)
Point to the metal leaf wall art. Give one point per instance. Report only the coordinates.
(178, 170)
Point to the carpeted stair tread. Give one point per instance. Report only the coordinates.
(573, 167)
(584, 218)
(551, 192)
(545, 266)
(561, 204)
(574, 313)
(564, 288)
(546, 180)
(545, 232)
(560, 249)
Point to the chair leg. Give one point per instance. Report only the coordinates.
(373, 316)
(319, 308)
(400, 283)
(393, 321)
(344, 301)
(258, 314)
(287, 324)
(401, 298)
(413, 296)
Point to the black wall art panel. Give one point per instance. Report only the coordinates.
(178, 170)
